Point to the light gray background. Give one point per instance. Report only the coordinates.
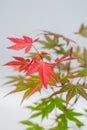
(26, 17)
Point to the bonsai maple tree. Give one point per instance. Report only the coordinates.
(58, 65)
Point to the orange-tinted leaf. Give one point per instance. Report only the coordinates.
(35, 88)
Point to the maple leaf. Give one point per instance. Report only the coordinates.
(44, 69)
(19, 62)
(28, 85)
(26, 43)
(64, 58)
(35, 88)
(82, 31)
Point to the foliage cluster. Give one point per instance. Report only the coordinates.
(65, 75)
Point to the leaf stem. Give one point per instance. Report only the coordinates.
(37, 51)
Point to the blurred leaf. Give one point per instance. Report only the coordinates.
(31, 125)
(61, 50)
(49, 42)
(83, 72)
(46, 106)
(83, 30)
(71, 115)
(36, 115)
(15, 79)
(60, 104)
(29, 85)
(81, 57)
(62, 123)
(47, 33)
(53, 41)
(35, 88)
(71, 90)
(82, 92)
(70, 94)
(26, 122)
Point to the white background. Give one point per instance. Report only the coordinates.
(26, 17)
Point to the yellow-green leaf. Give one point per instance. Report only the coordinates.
(70, 94)
(35, 88)
(83, 31)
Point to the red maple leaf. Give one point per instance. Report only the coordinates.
(44, 69)
(64, 58)
(26, 43)
(20, 62)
